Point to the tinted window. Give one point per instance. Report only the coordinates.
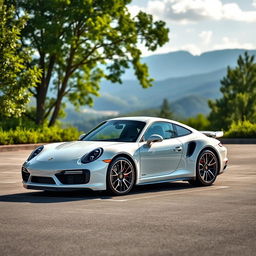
(181, 131)
(163, 129)
(116, 130)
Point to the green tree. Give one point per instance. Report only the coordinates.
(165, 111)
(79, 43)
(199, 122)
(238, 102)
(15, 76)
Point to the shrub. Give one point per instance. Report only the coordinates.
(5, 138)
(244, 129)
(40, 135)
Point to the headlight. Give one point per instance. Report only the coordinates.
(92, 156)
(35, 152)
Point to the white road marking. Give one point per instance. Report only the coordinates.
(9, 172)
(9, 182)
(170, 193)
(112, 200)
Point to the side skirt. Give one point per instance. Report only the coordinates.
(164, 181)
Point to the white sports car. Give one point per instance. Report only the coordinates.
(123, 152)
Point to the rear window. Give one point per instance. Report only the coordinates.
(181, 131)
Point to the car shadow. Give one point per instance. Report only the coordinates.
(82, 195)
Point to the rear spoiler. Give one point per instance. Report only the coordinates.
(217, 134)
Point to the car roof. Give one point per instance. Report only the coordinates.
(141, 118)
(149, 119)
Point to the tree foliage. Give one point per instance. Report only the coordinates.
(238, 102)
(15, 76)
(79, 43)
(165, 111)
(199, 122)
(241, 129)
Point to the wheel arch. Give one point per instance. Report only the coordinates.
(130, 159)
(208, 147)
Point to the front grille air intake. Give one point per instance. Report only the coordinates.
(25, 174)
(71, 177)
(42, 180)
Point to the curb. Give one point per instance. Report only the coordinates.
(237, 140)
(15, 147)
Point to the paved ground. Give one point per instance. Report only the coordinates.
(170, 219)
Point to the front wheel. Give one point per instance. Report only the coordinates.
(207, 169)
(120, 176)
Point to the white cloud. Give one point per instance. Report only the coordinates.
(206, 36)
(185, 11)
(134, 9)
(192, 48)
(232, 43)
(197, 49)
(170, 47)
(197, 38)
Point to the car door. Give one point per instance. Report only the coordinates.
(160, 158)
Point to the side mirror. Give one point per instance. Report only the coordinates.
(81, 136)
(154, 138)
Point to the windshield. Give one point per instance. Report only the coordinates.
(116, 130)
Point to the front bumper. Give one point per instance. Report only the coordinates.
(91, 176)
(47, 188)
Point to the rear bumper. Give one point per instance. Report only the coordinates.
(223, 159)
(225, 164)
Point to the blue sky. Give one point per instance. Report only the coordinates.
(203, 25)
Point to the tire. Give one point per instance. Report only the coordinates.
(120, 176)
(207, 169)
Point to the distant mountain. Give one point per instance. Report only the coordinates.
(182, 108)
(131, 97)
(179, 74)
(187, 81)
(190, 106)
(182, 63)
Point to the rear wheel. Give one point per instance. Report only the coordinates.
(207, 169)
(120, 176)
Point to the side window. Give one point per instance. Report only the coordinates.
(181, 131)
(164, 129)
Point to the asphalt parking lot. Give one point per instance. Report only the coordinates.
(167, 219)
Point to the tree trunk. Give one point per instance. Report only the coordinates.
(59, 100)
(42, 89)
(39, 93)
(62, 90)
(40, 104)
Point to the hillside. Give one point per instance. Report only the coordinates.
(182, 63)
(183, 108)
(130, 96)
(187, 81)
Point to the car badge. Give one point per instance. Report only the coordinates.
(50, 158)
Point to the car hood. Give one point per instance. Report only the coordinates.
(71, 150)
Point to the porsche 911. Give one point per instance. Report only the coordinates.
(121, 153)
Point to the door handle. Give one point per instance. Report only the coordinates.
(177, 149)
